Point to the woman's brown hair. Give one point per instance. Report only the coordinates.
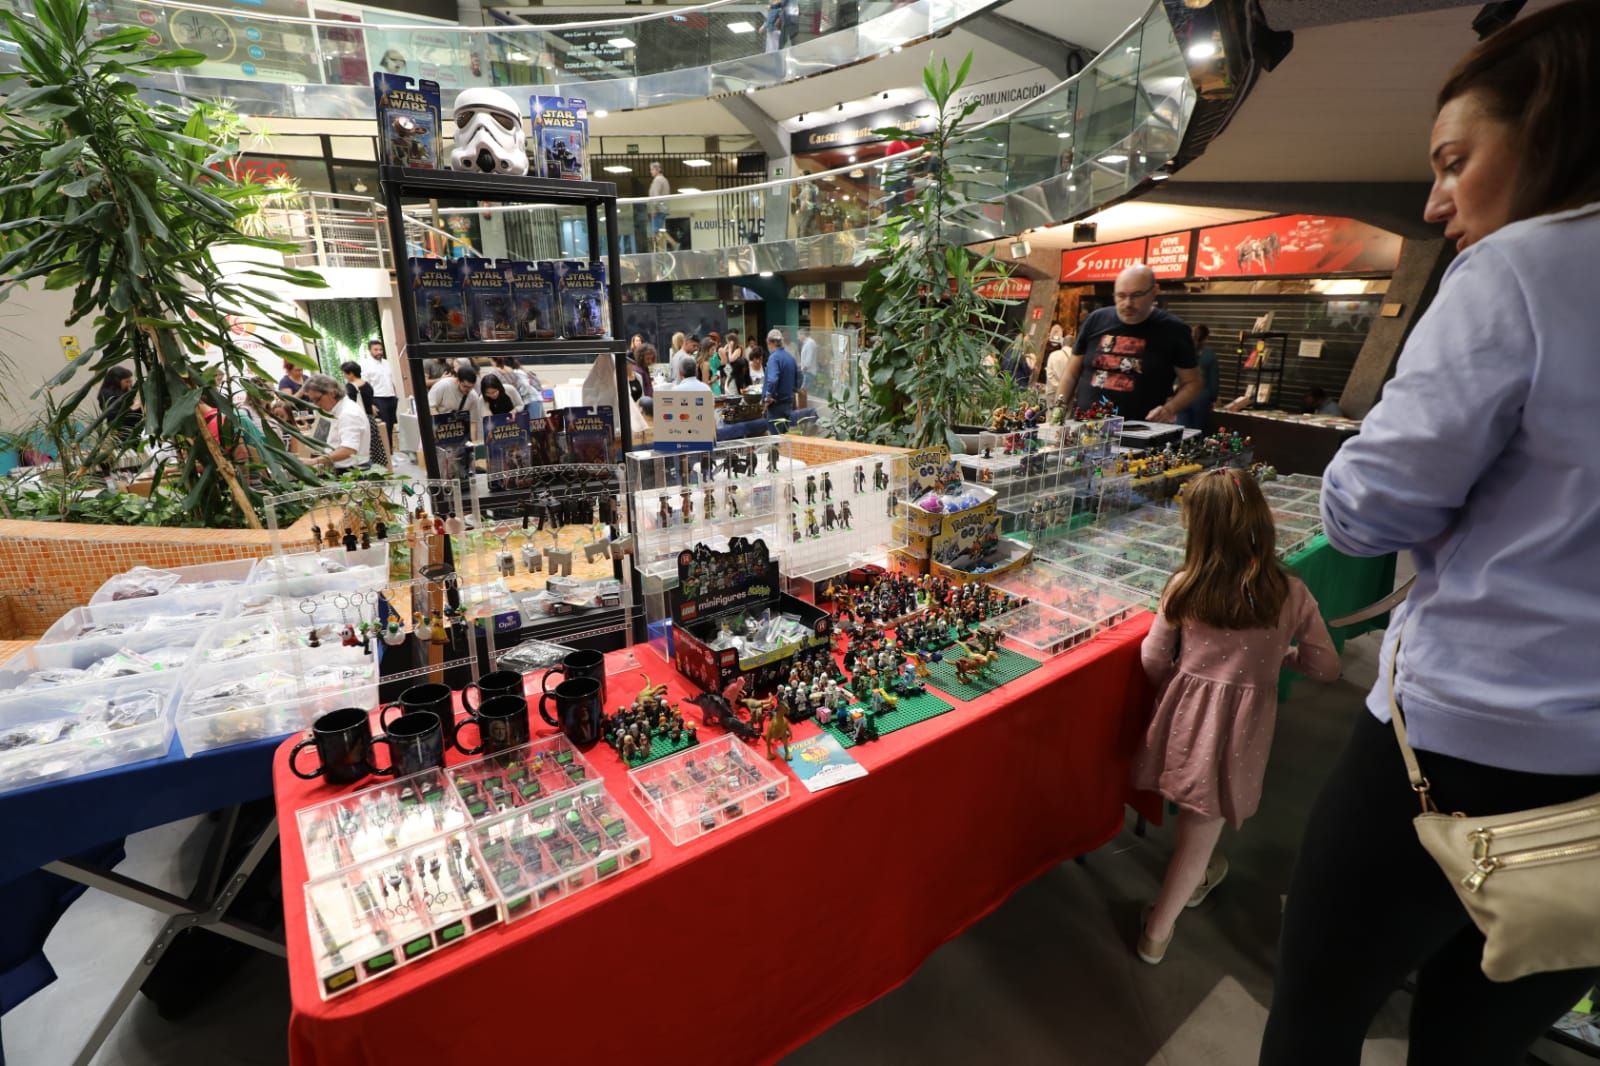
(1541, 76)
(1230, 577)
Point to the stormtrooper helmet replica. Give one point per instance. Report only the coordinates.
(489, 135)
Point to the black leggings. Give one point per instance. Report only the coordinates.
(1367, 906)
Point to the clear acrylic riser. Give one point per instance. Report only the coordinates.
(649, 470)
(544, 776)
(758, 517)
(53, 733)
(707, 787)
(871, 530)
(374, 918)
(533, 860)
(378, 820)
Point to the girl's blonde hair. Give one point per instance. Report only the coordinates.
(1230, 577)
(677, 343)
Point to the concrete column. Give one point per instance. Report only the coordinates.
(1416, 279)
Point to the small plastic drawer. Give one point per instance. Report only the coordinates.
(705, 788)
(145, 584)
(544, 777)
(534, 860)
(1043, 629)
(369, 920)
(1146, 583)
(63, 732)
(1101, 566)
(383, 818)
(1296, 523)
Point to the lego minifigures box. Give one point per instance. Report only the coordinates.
(560, 136)
(441, 305)
(722, 595)
(408, 120)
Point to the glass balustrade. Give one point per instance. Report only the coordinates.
(316, 60)
(1087, 142)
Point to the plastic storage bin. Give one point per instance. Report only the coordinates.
(172, 579)
(543, 776)
(126, 617)
(84, 662)
(535, 860)
(707, 787)
(330, 571)
(368, 920)
(63, 732)
(269, 696)
(375, 821)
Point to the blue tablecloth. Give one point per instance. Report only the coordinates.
(88, 816)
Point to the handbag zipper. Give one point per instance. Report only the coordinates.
(1485, 865)
(1481, 838)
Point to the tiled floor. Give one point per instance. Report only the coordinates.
(1048, 978)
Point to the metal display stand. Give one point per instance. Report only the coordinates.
(1270, 366)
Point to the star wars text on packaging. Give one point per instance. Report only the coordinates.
(488, 298)
(408, 120)
(533, 299)
(561, 137)
(440, 303)
(583, 299)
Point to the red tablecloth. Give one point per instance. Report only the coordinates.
(745, 943)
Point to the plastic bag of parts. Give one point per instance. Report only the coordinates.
(97, 716)
(141, 581)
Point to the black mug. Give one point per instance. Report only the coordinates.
(436, 699)
(343, 740)
(498, 683)
(415, 742)
(578, 664)
(502, 723)
(580, 706)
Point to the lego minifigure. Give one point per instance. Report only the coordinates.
(811, 488)
(880, 480)
(811, 523)
(844, 513)
(687, 502)
(827, 487)
(772, 458)
(733, 501)
(708, 505)
(829, 517)
(860, 479)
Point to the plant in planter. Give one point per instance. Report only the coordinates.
(932, 330)
(123, 201)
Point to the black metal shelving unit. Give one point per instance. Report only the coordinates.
(1270, 366)
(599, 201)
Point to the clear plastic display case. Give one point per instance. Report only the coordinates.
(373, 822)
(1065, 608)
(368, 920)
(543, 776)
(533, 860)
(128, 617)
(268, 696)
(95, 659)
(707, 787)
(146, 584)
(48, 733)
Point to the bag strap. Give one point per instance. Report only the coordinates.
(1419, 783)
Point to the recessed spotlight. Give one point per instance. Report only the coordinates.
(858, 173)
(1202, 50)
(750, 90)
(697, 162)
(851, 158)
(1160, 175)
(1064, 136)
(1114, 158)
(620, 42)
(614, 169)
(518, 57)
(741, 27)
(766, 273)
(1071, 187)
(896, 49)
(690, 188)
(602, 113)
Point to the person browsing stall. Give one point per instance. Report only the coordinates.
(344, 427)
(1130, 353)
(781, 380)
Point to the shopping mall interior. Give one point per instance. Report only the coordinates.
(333, 332)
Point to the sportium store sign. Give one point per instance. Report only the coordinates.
(1284, 246)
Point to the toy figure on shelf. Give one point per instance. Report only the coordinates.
(880, 480)
(750, 461)
(708, 505)
(663, 512)
(772, 458)
(794, 527)
(970, 663)
(1031, 416)
(844, 513)
(860, 477)
(733, 501)
(894, 498)
(811, 488)
(811, 523)
(686, 502)
(830, 517)
(777, 735)
(827, 486)
(793, 500)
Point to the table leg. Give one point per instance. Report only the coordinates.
(208, 911)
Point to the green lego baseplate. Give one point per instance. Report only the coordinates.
(1007, 668)
(660, 748)
(908, 710)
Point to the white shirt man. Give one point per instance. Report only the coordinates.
(348, 430)
(808, 359)
(377, 374)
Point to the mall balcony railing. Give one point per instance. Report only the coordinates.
(338, 230)
(320, 66)
(1088, 142)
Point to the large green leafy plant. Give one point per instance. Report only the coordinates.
(931, 329)
(124, 200)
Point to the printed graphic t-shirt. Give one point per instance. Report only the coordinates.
(1132, 366)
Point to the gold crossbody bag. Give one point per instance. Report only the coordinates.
(1530, 880)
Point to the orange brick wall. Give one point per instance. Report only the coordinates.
(812, 450)
(48, 568)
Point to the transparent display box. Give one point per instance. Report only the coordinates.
(369, 920)
(707, 787)
(95, 659)
(170, 580)
(1310, 506)
(332, 570)
(1043, 629)
(1145, 584)
(268, 696)
(1101, 566)
(534, 860)
(126, 617)
(1308, 482)
(377, 820)
(1277, 493)
(544, 776)
(63, 732)
(1296, 523)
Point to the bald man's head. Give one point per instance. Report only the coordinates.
(1135, 294)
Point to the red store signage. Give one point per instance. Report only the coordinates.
(1295, 245)
(1168, 255)
(1005, 288)
(1103, 262)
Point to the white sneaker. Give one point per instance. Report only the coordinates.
(1216, 871)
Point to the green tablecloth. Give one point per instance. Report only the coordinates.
(1342, 584)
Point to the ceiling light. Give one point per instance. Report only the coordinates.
(620, 42)
(615, 169)
(1160, 175)
(741, 27)
(1064, 136)
(897, 48)
(518, 57)
(1202, 50)
(851, 158)
(602, 113)
(1072, 188)
(886, 96)
(1114, 158)
(750, 90)
(697, 162)
(690, 188)
(766, 273)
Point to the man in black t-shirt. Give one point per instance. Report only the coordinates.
(1130, 354)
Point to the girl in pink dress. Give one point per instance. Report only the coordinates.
(1220, 638)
